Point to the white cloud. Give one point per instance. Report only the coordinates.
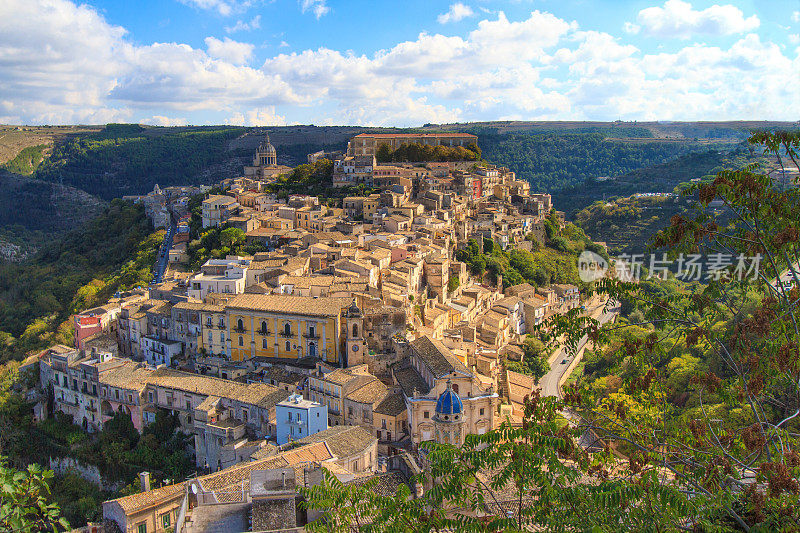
(159, 120)
(678, 19)
(223, 7)
(253, 24)
(630, 27)
(794, 38)
(234, 51)
(457, 12)
(265, 116)
(795, 16)
(63, 63)
(317, 7)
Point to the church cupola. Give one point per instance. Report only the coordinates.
(266, 155)
(449, 407)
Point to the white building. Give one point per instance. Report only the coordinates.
(217, 209)
(296, 418)
(226, 276)
(161, 351)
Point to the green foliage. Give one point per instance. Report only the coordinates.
(27, 160)
(513, 479)
(115, 251)
(24, 500)
(539, 268)
(417, 152)
(315, 179)
(217, 243)
(554, 161)
(453, 283)
(126, 159)
(534, 363)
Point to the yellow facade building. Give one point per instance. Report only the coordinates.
(287, 327)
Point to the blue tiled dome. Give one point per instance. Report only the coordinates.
(449, 403)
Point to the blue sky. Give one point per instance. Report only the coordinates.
(258, 62)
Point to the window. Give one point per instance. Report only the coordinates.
(222, 337)
(288, 346)
(239, 324)
(312, 331)
(116, 394)
(141, 528)
(165, 520)
(263, 328)
(355, 330)
(264, 343)
(241, 340)
(210, 336)
(188, 404)
(455, 388)
(481, 411)
(426, 414)
(287, 329)
(244, 414)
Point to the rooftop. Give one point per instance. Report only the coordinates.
(437, 357)
(292, 305)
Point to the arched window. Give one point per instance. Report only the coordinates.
(355, 330)
(312, 330)
(264, 343)
(287, 329)
(241, 340)
(288, 346)
(263, 327)
(240, 324)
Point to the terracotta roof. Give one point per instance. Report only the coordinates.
(291, 305)
(238, 476)
(370, 393)
(409, 379)
(437, 357)
(259, 394)
(392, 405)
(343, 441)
(143, 500)
(129, 375)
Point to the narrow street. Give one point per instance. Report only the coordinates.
(163, 253)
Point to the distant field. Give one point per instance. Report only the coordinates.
(13, 139)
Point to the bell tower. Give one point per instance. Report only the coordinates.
(355, 346)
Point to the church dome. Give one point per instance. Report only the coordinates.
(266, 147)
(449, 405)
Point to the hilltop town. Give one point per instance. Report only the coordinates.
(351, 337)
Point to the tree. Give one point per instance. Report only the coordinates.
(453, 283)
(24, 500)
(231, 237)
(383, 154)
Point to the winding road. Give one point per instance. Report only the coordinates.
(549, 384)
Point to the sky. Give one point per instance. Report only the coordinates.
(399, 63)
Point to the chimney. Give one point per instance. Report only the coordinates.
(144, 481)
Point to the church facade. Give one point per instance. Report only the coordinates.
(444, 399)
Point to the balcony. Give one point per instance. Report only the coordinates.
(239, 330)
(311, 335)
(264, 332)
(288, 335)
